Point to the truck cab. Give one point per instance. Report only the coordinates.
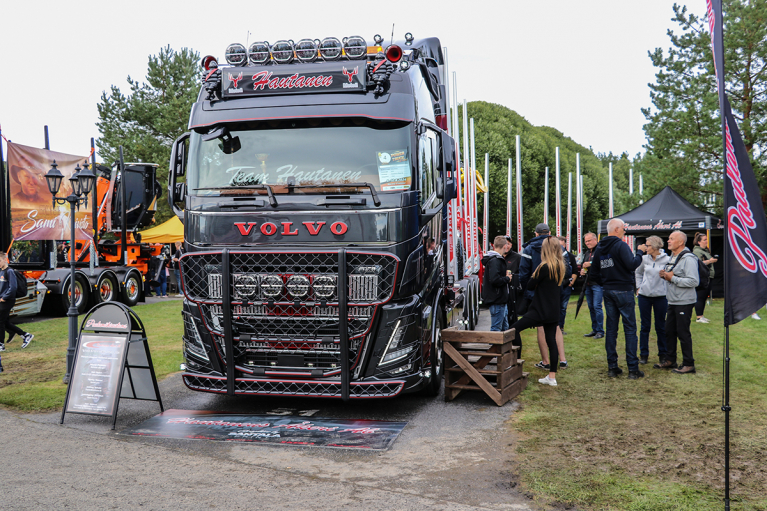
(314, 199)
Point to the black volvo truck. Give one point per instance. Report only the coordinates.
(313, 187)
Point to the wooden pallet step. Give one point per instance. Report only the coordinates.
(498, 380)
(489, 369)
(453, 334)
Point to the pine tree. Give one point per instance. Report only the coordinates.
(152, 115)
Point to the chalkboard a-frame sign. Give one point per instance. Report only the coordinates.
(112, 355)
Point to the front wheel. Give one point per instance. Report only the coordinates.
(131, 290)
(437, 359)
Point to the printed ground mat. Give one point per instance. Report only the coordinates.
(265, 429)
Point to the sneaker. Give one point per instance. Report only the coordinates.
(2, 347)
(705, 320)
(755, 316)
(563, 365)
(541, 365)
(27, 339)
(179, 295)
(10, 337)
(547, 381)
(599, 336)
(635, 375)
(613, 372)
(590, 334)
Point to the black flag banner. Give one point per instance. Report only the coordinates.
(745, 270)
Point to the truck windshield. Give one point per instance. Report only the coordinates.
(301, 156)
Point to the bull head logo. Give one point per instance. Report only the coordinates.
(234, 80)
(350, 74)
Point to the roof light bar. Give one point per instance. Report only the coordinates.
(283, 52)
(236, 54)
(330, 48)
(258, 53)
(306, 50)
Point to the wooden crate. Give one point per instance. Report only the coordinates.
(485, 361)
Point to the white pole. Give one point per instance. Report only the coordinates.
(611, 190)
(459, 224)
(583, 208)
(631, 180)
(578, 204)
(468, 245)
(520, 233)
(487, 203)
(641, 189)
(508, 202)
(546, 198)
(558, 199)
(473, 202)
(569, 207)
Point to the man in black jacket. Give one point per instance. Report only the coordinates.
(613, 267)
(512, 265)
(7, 301)
(495, 285)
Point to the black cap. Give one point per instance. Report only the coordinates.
(542, 228)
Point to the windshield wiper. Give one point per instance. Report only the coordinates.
(268, 188)
(372, 188)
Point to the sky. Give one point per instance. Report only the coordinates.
(578, 66)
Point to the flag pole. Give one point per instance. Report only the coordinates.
(486, 215)
(546, 198)
(569, 208)
(558, 214)
(578, 205)
(508, 202)
(611, 190)
(520, 233)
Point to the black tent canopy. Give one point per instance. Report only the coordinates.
(665, 212)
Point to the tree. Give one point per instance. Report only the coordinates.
(684, 140)
(495, 129)
(152, 115)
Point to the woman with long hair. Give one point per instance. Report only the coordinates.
(546, 281)
(651, 290)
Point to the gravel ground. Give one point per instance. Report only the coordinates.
(451, 456)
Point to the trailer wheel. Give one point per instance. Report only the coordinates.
(132, 290)
(82, 293)
(436, 358)
(106, 290)
(476, 303)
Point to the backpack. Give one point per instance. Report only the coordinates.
(21, 284)
(703, 275)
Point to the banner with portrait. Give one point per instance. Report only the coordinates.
(33, 216)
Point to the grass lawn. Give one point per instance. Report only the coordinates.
(653, 444)
(32, 377)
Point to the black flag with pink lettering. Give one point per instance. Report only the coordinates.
(745, 269)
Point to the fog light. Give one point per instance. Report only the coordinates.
(258, 53)
(298, 286)
(355, 47)
(402, 369)
(306, 50)
(324, 286)
(236, 54)
(330, 48)
(282, 52)
(271, 286)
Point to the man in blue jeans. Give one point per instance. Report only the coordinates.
(495, 285)
(613, 267)
(593, 290)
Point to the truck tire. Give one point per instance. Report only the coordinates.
(82, 294)
(106, 290)
(459, 261)
(436, 358)
(131, 290)
(472, 306)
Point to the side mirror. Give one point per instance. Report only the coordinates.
(448, 167)
(178, 157)
(179, 193)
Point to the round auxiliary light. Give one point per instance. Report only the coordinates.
(236, 54)
(209, 63)
(258, 53)
(324, 286)
(306, 50)
(282, 52)
(330, 48)
(245, 286)
(393, 53)
(271, 286)
(355, 47)
(408, 38)
(298, 286)
(378, 39)
(404, 65)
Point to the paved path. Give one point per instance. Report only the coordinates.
(451, 456)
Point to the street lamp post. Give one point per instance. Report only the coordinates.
(82, 182)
